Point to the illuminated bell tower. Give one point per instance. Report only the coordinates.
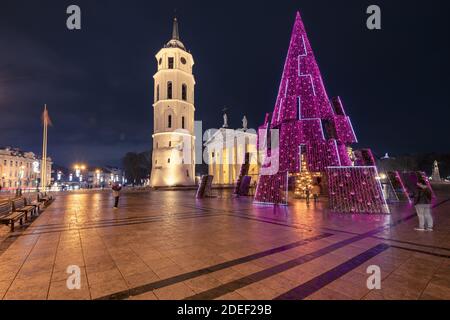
(173, 109)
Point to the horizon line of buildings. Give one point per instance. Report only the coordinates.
(88, 177)
(22, 170)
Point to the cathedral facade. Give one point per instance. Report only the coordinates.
(173, 109)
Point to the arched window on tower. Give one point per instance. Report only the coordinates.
(157, 93)
(169, 90)
(184, 92)
(183, 123)
(169, 121)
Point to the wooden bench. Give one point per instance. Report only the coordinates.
(44, 198)
(35, 203)
(8, 216)
(20, 205)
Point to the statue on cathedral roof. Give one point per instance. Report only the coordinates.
(225, 118)
(245, 123)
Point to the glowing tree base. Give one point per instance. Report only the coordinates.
(272, 189)
(398, 186)
(356, 189)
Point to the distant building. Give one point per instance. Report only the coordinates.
(21, 169)
(105, 177)
(226, 150)
(98, 177)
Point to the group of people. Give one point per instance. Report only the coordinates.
(315, 190)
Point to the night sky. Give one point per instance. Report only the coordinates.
(98, 82)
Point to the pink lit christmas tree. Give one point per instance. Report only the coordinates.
(313, 127)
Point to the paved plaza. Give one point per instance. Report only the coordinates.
(168, 245)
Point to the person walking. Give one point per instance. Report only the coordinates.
(316, 192)
(308, 195)
(116, 193)
(423, 207)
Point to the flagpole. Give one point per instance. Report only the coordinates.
(44, 153)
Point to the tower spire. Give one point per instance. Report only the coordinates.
(175, 42)
(175, 32)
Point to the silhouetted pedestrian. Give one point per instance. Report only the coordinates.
(316, 192)
(116, 193)
(423, 207)
(308, 195)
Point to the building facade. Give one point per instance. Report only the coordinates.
(105, 177)
(173, 109)
(19, 169)
(226, 150)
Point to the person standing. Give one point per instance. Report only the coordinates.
(116, 193)
(423, 207)
(308, 195)
(316, 192)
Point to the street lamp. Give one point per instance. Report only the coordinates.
(21, 176)
(3, 181)
(79, 172)
(82, 169)
(98, 177)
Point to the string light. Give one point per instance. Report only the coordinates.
(305, 180)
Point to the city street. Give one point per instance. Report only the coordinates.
(168, 245)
